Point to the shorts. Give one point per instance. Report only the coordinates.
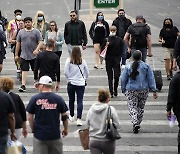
(24, 64)
(1, 58)
(168, 53)
(102, 42)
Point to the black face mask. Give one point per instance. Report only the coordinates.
(168, 25)
(121, 16)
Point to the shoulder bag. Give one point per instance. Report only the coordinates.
(82, 76)
(84, 138)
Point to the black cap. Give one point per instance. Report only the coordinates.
(27, 19)
(17, 10)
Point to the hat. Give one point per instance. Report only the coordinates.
(45, 80)
(139, 17)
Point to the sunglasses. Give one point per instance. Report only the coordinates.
(52, 25)
(72, 15)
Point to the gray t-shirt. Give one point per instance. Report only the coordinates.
(29, 41)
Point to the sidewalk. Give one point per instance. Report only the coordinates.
(109, 18)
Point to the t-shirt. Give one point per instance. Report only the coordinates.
(29, 41)
(50, 66)
(47, 107)
(169, 36)
(13, 26)
(6, 107)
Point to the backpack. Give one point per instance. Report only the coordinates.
(139, 34)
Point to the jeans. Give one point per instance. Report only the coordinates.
(79, 90)
(143, 51)
(3, 144)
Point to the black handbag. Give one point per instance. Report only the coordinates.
(111, 128)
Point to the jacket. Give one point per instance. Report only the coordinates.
(96, 120)
(173, 95)
(82, 35)
(144, 80)
(2, 41)
(176, 52)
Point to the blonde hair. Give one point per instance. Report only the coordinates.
(36, 20)
(103, 95)
(6, 83)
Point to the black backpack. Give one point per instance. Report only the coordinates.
(138, 35)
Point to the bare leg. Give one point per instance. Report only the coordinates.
(24, 77)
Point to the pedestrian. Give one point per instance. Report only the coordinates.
(76, 72)
(136, 81)
(40, 23)
(173, 102)
(115, 52)
(29, 40)
(138, 37)
(3, 21)
(7, 84)
(47, 63)
(7, 120)
(98, 32)
(75, 32)
(57, 36)
(2, 48)
(167, 37)
(176, 54)
(96, 121)
(44, 112)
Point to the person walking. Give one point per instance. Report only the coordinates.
(136, 80)
(44, 112)
(167, 37)
(3, 21)
(176, 54)
(30, 42)
(7, 120)
(7, 84)
(57, 36)
(140, 35)
(115, 52)
(96, 122)
(2, 48)
(40, 23)
(98, 32)
(173, 102)
(50, 66)
(76, 73)
(75, 32)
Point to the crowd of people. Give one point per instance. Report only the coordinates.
(37, 43)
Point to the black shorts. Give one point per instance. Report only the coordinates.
(1, 58)
(24, 64)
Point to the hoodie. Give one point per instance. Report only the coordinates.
(96, 120)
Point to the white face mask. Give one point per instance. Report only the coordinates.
(18, 17)
(112, 34)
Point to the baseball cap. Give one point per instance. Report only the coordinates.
(45, 80)
(139, 17)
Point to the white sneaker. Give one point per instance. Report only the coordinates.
(71, 118)
(79, 122)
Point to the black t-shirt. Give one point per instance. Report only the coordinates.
(6, 107)
(47, 107)
(48, 64)
(169, 36)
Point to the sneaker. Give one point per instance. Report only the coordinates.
(169, 77)
(79, 122)
(136, 129)
(95, 66)
(101, 66)
(22, 88)
(71, 118)
(115, 93)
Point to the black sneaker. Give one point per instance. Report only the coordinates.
(115, 93)
(22, 88)
(136, 129)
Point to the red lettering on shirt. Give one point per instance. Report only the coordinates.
(46, 105)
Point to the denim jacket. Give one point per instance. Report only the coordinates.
(144, 80)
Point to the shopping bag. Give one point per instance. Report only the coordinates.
(103, 53)
(84, 138)
(15, 147)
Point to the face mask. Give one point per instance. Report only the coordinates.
(40, 18)
(168, 25)
(18, 17)
(121, 16)
(100, 18)
(112, 34)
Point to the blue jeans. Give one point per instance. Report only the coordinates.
(79, 90)
(143, 51)
(3, 144)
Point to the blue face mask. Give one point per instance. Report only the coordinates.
(100, 18)
(40, 18)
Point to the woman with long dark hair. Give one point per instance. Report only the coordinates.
(76, 72)
(136, 81)
(98, 32)
(56, 35)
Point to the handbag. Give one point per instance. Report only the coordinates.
(15, 147)
(103, 52)
(84, 138)
(82, 76)
(111, 128)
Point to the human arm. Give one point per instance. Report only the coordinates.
(64, 118)
(66, 34)
(11, 121)
(60, 39)
(36, 51)
(84, 36)
(126, 40)
(86, 71)
(57, 86)
(149, 45)
(124, 50)
(18, 46)
(91, 31)
(124, 79)
(66, 68)
(31, 121)
(176, 53)
(107, 29)
(36, 68)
